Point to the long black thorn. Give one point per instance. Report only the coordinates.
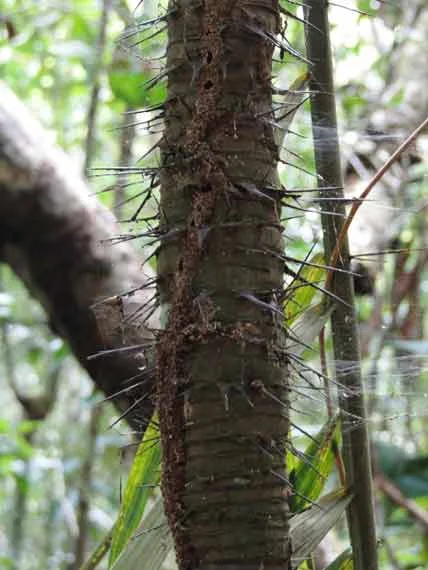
(293, 109)
(153, 528)
(318, 265)
(297, 192)
(110, 170)
(287, 481)
(159, 77)
(146, 374)
(292, 273)
(120, 392)
(322, 290)
(289, 14)
(142, 308)
(138, 27)
(151, 149)
(297, 167)
(141, 206)
(306, 380)
(149, 109)
(305, 459)
(148, 124)
(146, 310)
(305, 366)
(113, 187)
(253, 299)
(132, 348)
(128, 410)
(308, 211)
(370, 15)
(389, 252)
(147, 38)
(150, 256)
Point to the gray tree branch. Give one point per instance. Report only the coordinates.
(57, 239)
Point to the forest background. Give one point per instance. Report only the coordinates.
(64, 457)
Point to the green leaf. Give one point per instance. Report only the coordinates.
(307, 327)
(313, 469)
(307, 529)
(5, 426)
(150, 545)
(343, 562)
(128, 86)
(82, 29)
(303, 290)
(144, 473)
(6, 563)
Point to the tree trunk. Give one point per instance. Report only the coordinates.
(222, 389)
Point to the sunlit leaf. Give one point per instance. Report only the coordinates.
(307, 529)
(139, 487)
(128, 86)
(303, 291)
(316, 464)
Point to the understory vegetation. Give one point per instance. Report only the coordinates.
(199, 367)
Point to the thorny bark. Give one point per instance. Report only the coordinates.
(221, 366)
(58, 241)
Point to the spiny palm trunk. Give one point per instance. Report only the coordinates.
(221, 385)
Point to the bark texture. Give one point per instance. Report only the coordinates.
(221, 367)
(57, 239)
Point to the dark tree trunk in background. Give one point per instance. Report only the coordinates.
(221, 359)
(58, 240)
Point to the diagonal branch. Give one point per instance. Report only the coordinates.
(57, 239)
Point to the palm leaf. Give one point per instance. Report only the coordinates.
(307, 529)
(311, 471)
(139, 487)
(303, 290)
(151, 544)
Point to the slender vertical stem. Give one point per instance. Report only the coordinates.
(345, 338)
(95, 80)
(85, 488)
